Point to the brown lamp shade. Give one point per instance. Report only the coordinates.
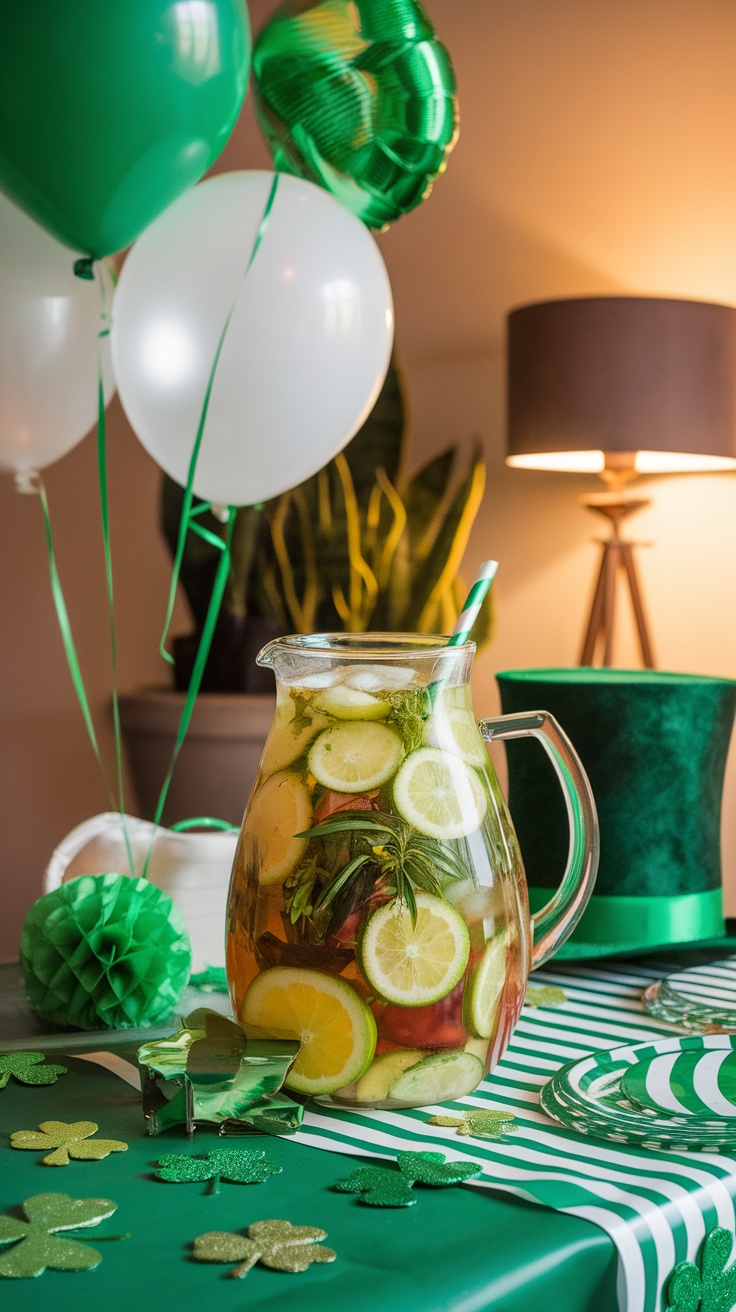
(622, 381)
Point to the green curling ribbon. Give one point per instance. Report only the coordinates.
(188, 523)
(643, 922)
(359, 97)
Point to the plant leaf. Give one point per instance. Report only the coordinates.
(331, 890)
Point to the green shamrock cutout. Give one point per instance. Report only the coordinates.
(232, 1164)
(68, 1140)
(483, 1124)
(382, 1187)
(278, 1244)
(709, 1287)
(27, 1069)
(37, 1247)
(544, 995)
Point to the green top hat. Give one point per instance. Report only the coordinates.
(654, 746)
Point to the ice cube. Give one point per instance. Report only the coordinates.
(378, 678)
(326, 679)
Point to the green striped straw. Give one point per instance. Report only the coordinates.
(475, 598)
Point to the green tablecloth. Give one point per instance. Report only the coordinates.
(458, 1250)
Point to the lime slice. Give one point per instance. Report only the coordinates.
(478, 1048)
(414, 965)
(439, 794)
(439, 1078)
(279, 809)
(454, 729)
(351, 704)
(336, 1028)
(484, 988)
(354, 757)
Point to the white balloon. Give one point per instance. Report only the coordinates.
(306, 351)
(49, 321)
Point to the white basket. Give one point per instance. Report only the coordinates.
(193, 868)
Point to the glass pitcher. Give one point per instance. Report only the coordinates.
(378, 908)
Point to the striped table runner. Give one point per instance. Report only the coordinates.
(655, 1206)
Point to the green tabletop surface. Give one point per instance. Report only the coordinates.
(458, 1250)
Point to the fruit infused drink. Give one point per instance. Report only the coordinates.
(377, 905)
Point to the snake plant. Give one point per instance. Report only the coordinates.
(360, 546)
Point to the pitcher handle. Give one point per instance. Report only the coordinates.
(556, 921)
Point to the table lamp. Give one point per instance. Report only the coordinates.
(621, 386)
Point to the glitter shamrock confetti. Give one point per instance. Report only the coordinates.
(38, 1248)
(237, 1166)
(27, 1068)
(709, 1286)
(278, 1244)
(544, 995)
(67, 1141)
(379, 1186)
(483, 1124)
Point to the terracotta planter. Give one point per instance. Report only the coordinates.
(218, 762)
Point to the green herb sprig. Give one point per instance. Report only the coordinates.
(404, 859)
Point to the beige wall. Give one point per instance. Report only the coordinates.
(597, 154)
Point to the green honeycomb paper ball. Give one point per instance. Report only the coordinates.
(105, 951)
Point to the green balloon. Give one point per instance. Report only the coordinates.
(110, 109)
(358, 96)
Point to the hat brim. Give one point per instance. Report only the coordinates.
(577, 951)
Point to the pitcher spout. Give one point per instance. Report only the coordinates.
(265, 657)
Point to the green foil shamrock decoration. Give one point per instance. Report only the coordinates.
(209, 1071)
(278, 1244)
(382, 1187)
(105, 951)
(359, 97)
(66, 1141)
(707, 1286)
(236, 1165)
(482, 1124)
(27, 1068)
(37, 1246)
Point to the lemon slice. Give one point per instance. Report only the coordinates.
(279, 809)
(347, 703)
(454, 729)
(353, 757)
(375, 1084)
(484, 988)
(439, 794)
(288, 737)
(439, 1078)
(414, 964)
(336, 1028)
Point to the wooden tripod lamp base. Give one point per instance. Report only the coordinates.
(617, 558)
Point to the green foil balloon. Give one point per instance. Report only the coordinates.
(359, 96)
(109, 109)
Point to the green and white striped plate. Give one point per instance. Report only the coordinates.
(587, 1095)
(696, 998)
(689, 1083)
